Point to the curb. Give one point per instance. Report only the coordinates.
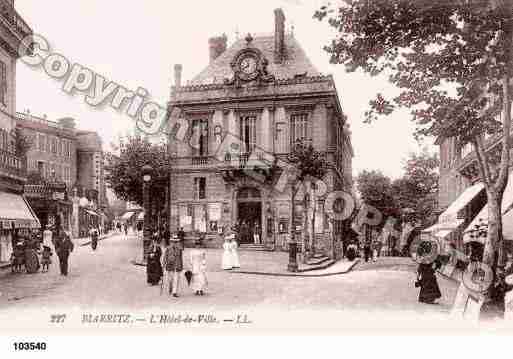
(302, 275)
(136, 263)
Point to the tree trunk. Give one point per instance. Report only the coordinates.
(495, 184)
(314, 213)
(494, 237)
(304, 235)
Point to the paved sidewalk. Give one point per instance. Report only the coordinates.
(275, 264)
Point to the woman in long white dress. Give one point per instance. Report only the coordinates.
(198, 259)
(234, 252)
(227, 262)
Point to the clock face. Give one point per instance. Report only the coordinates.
(248, 65)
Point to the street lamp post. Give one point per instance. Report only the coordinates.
(292, 266)
(146, 170)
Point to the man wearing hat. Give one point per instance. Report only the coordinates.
(173, 265)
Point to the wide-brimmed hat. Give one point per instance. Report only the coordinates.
(230, 236)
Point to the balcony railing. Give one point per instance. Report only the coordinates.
(242, 160)
(35, 119)
(52, 191)
(199, 161)
(12, 165)
(37, 191)
(8, 13)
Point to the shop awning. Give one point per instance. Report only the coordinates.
(140, 217)
(443, 233)
(468, 195)
(445, 226)
(127, 216)
(14, 209)
(482, 217)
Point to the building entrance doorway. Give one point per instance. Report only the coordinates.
(249, 214)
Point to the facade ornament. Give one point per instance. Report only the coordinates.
(249, 65)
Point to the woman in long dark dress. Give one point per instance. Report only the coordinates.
(429, 290)
(154, 268)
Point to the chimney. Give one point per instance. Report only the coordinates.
(279, 36)
(217, 45)
(178, 75)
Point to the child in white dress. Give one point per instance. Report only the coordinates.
(227, 255)
(234, 253)
(198, 259)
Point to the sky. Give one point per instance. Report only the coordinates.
(136, 44)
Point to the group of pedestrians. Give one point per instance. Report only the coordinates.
(166, 265)
(63, 245)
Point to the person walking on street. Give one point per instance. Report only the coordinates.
(64, 246)
(198, 260)
(426, 277)
(154, 268)
(367, 249)
(181, 237)
(47, 237)
(173, 264)
(46, 259)
(226, 262)
(234, 252)
(376, 248)
(256, 235)
(166, 236)
(93, 233)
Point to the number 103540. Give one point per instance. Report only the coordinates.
(29, 346)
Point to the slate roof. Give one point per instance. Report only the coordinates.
(296, 62)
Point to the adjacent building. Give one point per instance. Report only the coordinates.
(15, 213)
(243, 113)
(462, 196)
(65, 173)
(51, 166)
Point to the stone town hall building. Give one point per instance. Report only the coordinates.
(264, 94)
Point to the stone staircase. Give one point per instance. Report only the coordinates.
(253, 247)
(317, 262)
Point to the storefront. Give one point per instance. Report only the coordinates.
(472, 237)
(453, 221)
(87, 219)
(16, 217)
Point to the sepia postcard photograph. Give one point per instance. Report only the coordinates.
(264, 167)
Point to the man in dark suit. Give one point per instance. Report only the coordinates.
(63, 246)
(173, 264)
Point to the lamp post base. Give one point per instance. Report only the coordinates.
(292, 266)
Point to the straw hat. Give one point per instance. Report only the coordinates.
(231, 236)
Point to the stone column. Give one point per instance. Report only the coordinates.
(266, 139)
(232, 123)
